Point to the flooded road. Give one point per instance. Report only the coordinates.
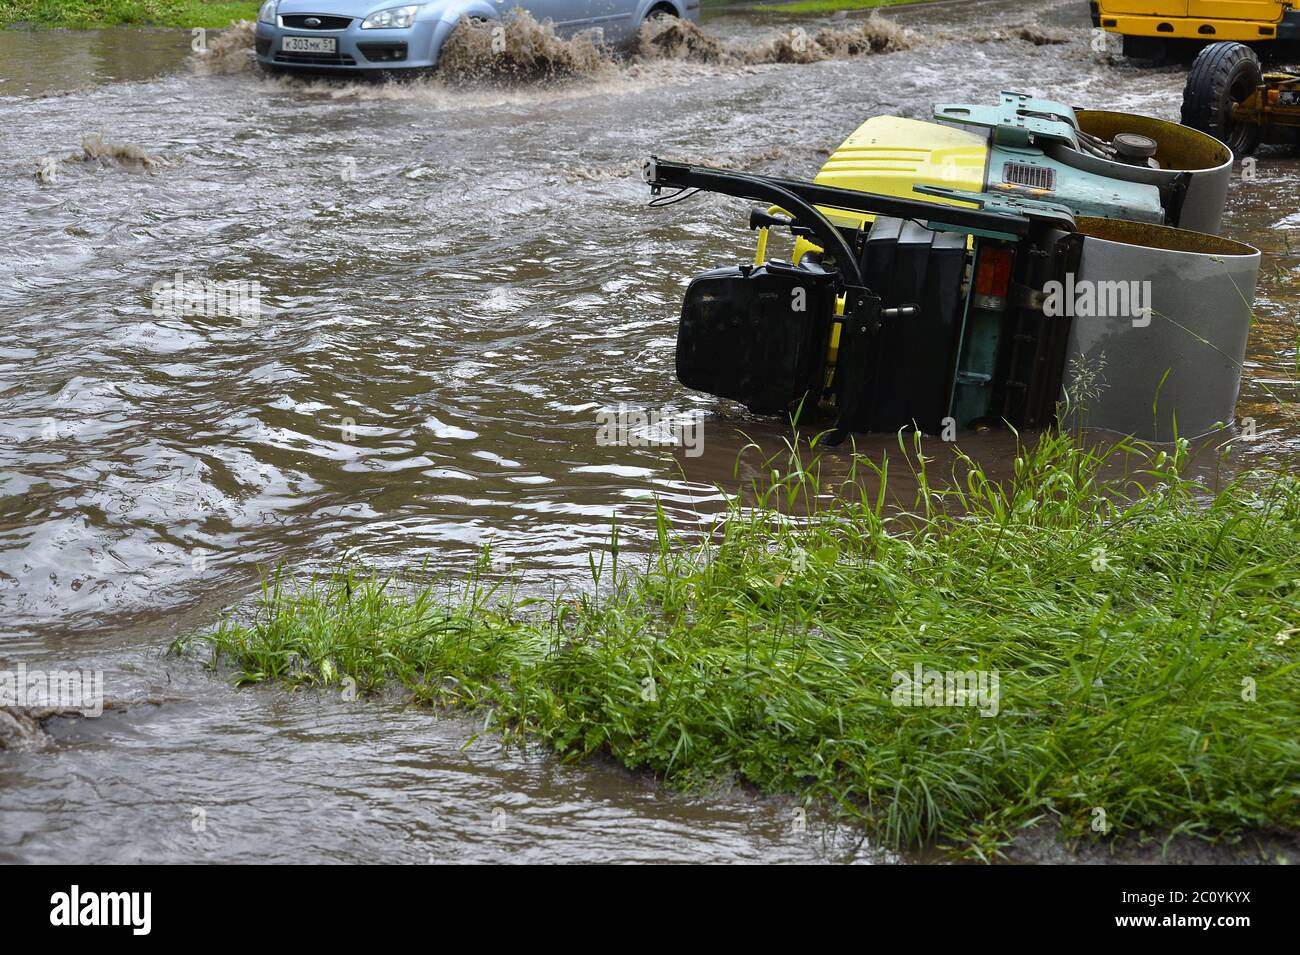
(455, 279)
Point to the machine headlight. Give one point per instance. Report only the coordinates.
(266, 13)
(394, 18)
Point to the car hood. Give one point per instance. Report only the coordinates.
(354, 8)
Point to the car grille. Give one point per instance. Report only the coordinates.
(316, 59)
(299, 21)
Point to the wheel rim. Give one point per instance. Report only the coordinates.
(1238, 134)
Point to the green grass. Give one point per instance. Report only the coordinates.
(830, 6)
(1144, 634)
(89, 14)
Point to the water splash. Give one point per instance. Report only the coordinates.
(230, 51)
(671, 38)
(1034, 33)
(96, 149)
(519, 50)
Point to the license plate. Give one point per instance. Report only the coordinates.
(309, 44)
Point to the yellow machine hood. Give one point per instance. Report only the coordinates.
(889, 155)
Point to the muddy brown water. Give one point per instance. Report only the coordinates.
(456, 279)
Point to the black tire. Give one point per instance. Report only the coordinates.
(1223, 75)
(661, 10)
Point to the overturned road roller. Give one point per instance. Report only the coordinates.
(1004, 264)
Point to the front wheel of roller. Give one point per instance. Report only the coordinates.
(1223, 75)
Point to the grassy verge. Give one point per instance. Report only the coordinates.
(92, 14)
(89, 14)
(830, 6)
(1143, 637)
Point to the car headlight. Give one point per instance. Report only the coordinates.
(266, 13)
(394, 18)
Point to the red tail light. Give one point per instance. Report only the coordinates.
(992, 276)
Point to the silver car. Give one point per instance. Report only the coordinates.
(359, 35)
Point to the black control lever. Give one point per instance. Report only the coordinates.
(762, 219)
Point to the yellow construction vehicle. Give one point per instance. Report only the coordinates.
(1161, 29)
